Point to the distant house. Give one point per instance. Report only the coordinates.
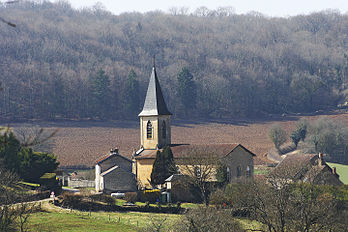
(309, 168)
(113, 173)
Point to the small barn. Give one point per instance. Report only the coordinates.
(113, 173)
(308, 168)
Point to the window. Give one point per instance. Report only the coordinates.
(248, 172)
(239, 171)
(228, 174)
(149, 130)
(164, 130)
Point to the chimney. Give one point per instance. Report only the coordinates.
(114, 151)
(320, 159)
(334, 171)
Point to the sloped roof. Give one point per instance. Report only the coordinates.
(306, 168)
(295, 165)
(106, 157)
(183, 150)
(154, 101)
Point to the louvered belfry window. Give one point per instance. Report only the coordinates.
(149, 130)
(164, 130)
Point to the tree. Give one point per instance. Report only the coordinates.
(100, 94)
(14, 211)
(330, 137)
(163, 166)
(208, 219)
(277, 135)
(300, 132)
(186, 90)
(286, 206)
(131, 94)
(199, 167)
(22, 160)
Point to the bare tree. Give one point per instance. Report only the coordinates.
(199, 167)
(208, 219)
(277, 135)
(38, 138)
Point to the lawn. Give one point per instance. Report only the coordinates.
(342, 170)
(56, 219)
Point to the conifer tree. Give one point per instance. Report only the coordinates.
(186, 90)
(100, 90)
(131, 94)
(163, 166)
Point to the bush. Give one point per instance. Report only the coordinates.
(70, 200)
(131, 197)
(150, 195)
(208, 219)
(103, 198)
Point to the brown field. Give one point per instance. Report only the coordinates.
(81, 143)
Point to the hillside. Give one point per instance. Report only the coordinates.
(74, 64)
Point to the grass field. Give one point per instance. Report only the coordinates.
(57, 219)
(54, 219)
(342, 170)
(81, 143)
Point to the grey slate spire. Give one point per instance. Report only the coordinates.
(154, 102)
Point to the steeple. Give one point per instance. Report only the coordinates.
(155, 130)
(154, 102)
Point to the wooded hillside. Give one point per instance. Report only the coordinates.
(64, 63)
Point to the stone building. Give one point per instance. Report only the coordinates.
(113, 173)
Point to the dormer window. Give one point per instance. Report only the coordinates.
(149, 130)
(164, 130)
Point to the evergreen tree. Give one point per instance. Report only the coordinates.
(100, 90)
(29, 165)
(186, 90)
(131, 94)
(163, 166)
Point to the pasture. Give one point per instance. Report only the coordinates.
(342, 171)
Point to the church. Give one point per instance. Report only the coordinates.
(116, 173)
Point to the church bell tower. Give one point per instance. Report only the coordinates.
(155, 117)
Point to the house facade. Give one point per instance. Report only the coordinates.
(113, 173)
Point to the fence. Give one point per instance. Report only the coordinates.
(81, 183)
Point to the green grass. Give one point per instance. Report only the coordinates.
(30, 184)
(57, 219)
(342, 170)
(52, 221)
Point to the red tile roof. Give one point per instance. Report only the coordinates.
(182, 150)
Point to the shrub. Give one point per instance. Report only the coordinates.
(70, 200)
(103, 198)
(131, 197)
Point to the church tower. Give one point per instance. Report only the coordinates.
(155, 117)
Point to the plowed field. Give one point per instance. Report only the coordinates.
(81, 143)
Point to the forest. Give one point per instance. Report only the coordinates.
(62, 63)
